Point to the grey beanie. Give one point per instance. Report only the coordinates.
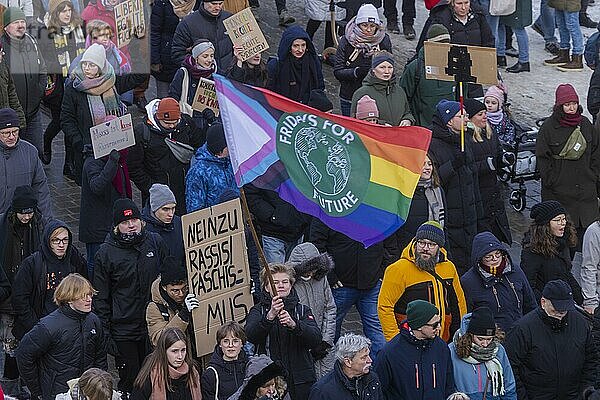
(160, 195)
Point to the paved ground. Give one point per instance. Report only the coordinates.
(531, 94)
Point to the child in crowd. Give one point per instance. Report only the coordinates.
(498, 119)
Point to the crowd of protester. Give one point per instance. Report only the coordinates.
(446, 310)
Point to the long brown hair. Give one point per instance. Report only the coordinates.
(543, 242)
(463, 343)
(158, 360)
(54, 22)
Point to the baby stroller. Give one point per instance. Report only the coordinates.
(524, 168)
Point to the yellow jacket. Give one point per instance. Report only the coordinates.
(404, 282)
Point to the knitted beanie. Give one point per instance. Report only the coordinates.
(367, 13)
(160, 195)
(95, 54)
(215, 139)
(473, 106)
(168, 110)
(543, 212)
(172, 271)
(431, 230)
(24, 200)
(8, 118)
(438, 33)
(419, 312)
(125, 209)
(380, 57)
(482, 322)
(565, 93)
(495, 92)
(447, 109)
(12, 14)
(366, 107)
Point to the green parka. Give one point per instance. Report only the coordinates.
(8, 94)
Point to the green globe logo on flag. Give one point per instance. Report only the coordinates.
(328, 163)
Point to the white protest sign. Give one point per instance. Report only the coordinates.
(116, 134)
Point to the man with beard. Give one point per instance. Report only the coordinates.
(422, 273)
(551, 349)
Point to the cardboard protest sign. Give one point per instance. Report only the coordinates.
(243, 30)
(206, 96)
(116, 134)
(129, 21)
(218, 272)
(483, 62)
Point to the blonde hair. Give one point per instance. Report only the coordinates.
(58, 231)
(477, 137)
(98, 26)
(96, 384)
(277, 268)
(73, 287)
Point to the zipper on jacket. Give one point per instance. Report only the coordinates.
(496, 296)
(512, 286)
(433, 370)
(417, 375)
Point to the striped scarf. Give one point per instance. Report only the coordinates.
(61, 45)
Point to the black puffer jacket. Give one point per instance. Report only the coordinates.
(151, 161)
(59, 348)
(289, 347)
(123, 275)
(97, 196)
(464, 211)
(275, 217)
(202, 25)
(492, 192)
(551, 363)
(540, 269)
(355, 266)
(38, 277)
(346, 70)
(230, 375)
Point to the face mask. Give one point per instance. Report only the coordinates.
(130, 237)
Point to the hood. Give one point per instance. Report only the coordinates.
(409, 253)
(321, 264)
(149, 217)
(441, 131)
(202, 154)
(151, 109)
(287, 38)
(484, 243)
(379, 84)
(46, 250)
(155, 291)
(260, 369)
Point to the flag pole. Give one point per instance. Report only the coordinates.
(261, 254)
(462, 116)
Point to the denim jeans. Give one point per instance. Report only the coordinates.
(547, 22)
(90, 251)
(569, 30)
(366, 304)
(345, 107)
(277, 250)
(522, 41)
(34, 133)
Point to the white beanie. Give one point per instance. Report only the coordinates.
(367, 13)
(95, 54)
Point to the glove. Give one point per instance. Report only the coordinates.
(191, 302)
(114, 155)
(508, 159)
(361, 72)
(209, 116)
(459, 160)
(156, 67)
(320, 351)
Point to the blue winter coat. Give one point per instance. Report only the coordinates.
(409, 368)
(509, 296)
(470, 378)
(163, 23)
(207, 179)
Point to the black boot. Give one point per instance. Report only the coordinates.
(518, 67)
(501, 61)
(47, 154)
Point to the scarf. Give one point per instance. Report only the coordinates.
(434, 200)
(183, 7)
(197, 71)
(61, 45)
(159, 390)
(497, 271)
(487, 356)
(121, 181)
(117, 59)
(102, 97)
(496, 117)
(297, 77)
(365, 43)
(570, 120)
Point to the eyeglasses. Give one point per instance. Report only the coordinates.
(425, 244)
(435, 325)
(57, 241)
(183, 290)
(87, 65)
(561, 220)
(493, 256)
(13, 132)
(231, 342)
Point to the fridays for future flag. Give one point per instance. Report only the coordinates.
(358, 178)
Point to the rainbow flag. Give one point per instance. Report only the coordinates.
(358, 178)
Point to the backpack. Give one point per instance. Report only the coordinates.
(590, 52)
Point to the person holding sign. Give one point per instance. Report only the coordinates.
(196, 68)
(253, 71)
(169, 373)
(288, 327)
(90, 97)
(297, 69)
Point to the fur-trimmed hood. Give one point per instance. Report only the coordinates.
(305, 257)
(259, 370)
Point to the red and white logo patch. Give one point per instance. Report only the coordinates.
(127, 213)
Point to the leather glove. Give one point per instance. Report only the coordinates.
(191, 302)
(459, 160)
(361, 72)
(320, 351)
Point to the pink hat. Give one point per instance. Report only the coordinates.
(366, 108)
(495, 92)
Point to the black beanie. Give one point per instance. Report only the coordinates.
(215, 139)
(124, 209)
(482, 322)
(24, 200)
(319, 100)
(172, 271)
(543, 212)
(473, 106)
